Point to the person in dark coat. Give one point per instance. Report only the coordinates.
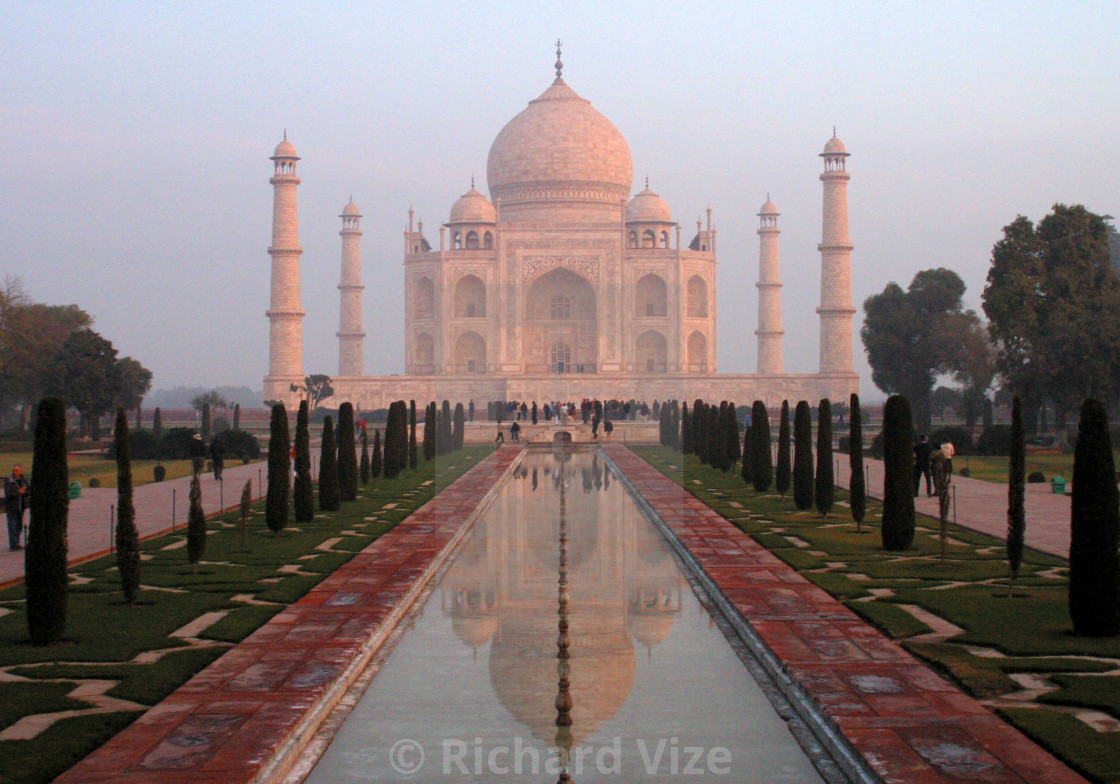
(17, 497)
(217, 457)
(922, 451)
(197, 454)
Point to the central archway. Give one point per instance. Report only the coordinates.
(561, 310)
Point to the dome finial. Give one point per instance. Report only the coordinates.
(285, 134)
(834, 132)
(472, 182)
(559, 64)
(647, 182)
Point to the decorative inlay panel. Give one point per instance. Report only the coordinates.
(533, 266)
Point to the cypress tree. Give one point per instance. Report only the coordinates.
(329, 498)
(429, 432)
(443, 438)
(457, 432)
(396, 431)
(303, 496)
(413, 456)
(715, 443)
(375, 462)
(802, 456)
(686, 430)
(676, 431)
(763, 472)
(1094, 563)
(719, 438)
(734, 452)
(157, 423)
(897, 528)
(782, 475)
(1016, 494)
(825, 478)
(45, 560)
(279, 462)
(206, 422)
(747, 469)
(857, 490)
(347, 455)
(196, 525)
(128, 540)
(363, 465)
(236, 416)
(699, 429)
(246, 510)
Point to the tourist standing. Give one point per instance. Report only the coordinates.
(17, 497)
(922, 451)
(515, 433)
(501, 438)
(197, 454)
(608, 428)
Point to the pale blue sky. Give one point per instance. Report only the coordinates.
(136, 138)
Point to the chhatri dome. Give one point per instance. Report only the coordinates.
(285, 149)
(559, 148)
(472, 207)
(648, 207)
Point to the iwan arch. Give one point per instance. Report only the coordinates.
(562, 286)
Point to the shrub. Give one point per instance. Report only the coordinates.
(995, 440)
(175, 443)
(196, 524)
(94, 481)
(240, 444)
(395, 457)
(843, 445)
(329, 500)
(961, 438)
(45, 559)
(1094, 563)
(898, 485)
(1036, 477)
(731, 436)
(159, 473)
(876, 448)
(1016, 497)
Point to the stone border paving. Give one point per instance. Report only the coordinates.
(248, 715)
(904, 721)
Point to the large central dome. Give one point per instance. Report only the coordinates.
(559, 149)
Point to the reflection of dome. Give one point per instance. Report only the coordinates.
(651, 628)
(524, 675)
(475, 631)
(647, 206)
(559, 149)
(473, 207)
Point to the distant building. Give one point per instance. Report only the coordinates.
(562, 286)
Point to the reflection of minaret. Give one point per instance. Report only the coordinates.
(350, 288)
(769, 285)
(836, 309)
(285, 342)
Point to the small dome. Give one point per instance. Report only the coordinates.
(351, 209)
(473, 207)
(768, 208)
(285, 149)
(647, 206)
(834, 146)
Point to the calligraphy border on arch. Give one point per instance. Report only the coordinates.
(534, 266)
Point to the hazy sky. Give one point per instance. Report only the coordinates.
(136, 138)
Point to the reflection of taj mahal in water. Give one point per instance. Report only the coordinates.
(561, 285)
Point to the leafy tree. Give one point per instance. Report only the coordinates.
(375, 460)
(363, 464)
(1016, 494)
(1052, 300)
(413, 452)
(303, 494)
(857, 490)
(802, 456)
(914, 336)
(1094, 559)
(207, 422)
(213, 399)
(763, 473)
(897, 528)
(944, 398)
(128, 540)
(824, 479)
(314, 389)
(276, 502)
(347, 455)
(196, 525)
(784, 470)
(45, 559)
(329, 500)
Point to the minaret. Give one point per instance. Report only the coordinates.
(769, 285)
(285, 344)
(350, 334)
(836, 309)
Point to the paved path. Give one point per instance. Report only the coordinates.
(90, 515)
(982, 506)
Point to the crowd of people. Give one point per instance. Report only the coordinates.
(925, 455)
(599, 414)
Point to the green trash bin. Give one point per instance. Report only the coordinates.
(75, 490)
(1058, 485)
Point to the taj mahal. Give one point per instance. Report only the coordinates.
(561, 285)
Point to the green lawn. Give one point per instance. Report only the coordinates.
(104, 637)
(1032, 631)
(994, 469)
(85, 467)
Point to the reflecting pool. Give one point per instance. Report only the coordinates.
(562, 643)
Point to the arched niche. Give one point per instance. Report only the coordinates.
(424, 298)
(697, 352)
(651, 353)
(470, 297)
(470, 353)
(651, 297)
(697, 297)
(425, 354)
